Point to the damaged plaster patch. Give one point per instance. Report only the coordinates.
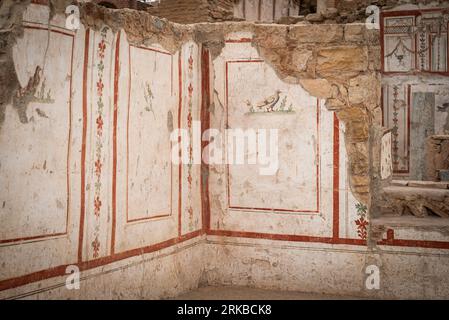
(25, 95)
(10, 28)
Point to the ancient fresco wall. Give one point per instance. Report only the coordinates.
(87, 177)
(415, 84)
(313, 214)
(308, 197)
(305, 150)
(94, 126)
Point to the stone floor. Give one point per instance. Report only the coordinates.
(244, 293)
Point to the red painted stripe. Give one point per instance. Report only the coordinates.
(149, 218)
(285, 237)
(336, 184)
(52, 30)
(152, 49)
(83, 149)
(205, 125)
(272, 209)
(22, 239)
(179, 143)
(114, 144)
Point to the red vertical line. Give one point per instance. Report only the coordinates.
(447, 48)
(336, 213)
(318, 112)
(83, 148)
(388, 106)
(226, 89)
(382, 105)
(409, 90)
(406, 117)
(430, 51)
(228, 176)
(417, 64)
(69, 138)
(390, 236)
(114, 144)
(205, 125)
(171, 183)
(382, 44)
(179, 143)
(127, 131)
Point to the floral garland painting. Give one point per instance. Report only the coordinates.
(361, 222)
(189, 124)
(99, 121)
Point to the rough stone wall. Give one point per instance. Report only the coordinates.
(193, 11)
(436, 156)
(120, 4)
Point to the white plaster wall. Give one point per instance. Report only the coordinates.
(406, 273)
(41, 163)
(159, 275)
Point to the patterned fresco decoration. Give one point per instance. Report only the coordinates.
(433, 36)
(99, 140)
(386, 164)
(416, 43)
(271, 104)
(396, 117)
(190, 89)
(361, 222)
(399, 46)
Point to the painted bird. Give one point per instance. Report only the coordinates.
(270, 102)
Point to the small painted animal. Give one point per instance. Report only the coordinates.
(269, 102)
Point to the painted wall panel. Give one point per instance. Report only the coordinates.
(146, 181)
(149, 169)
(191, 169)
(244, 200)
(35, 162)
(41, 149)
